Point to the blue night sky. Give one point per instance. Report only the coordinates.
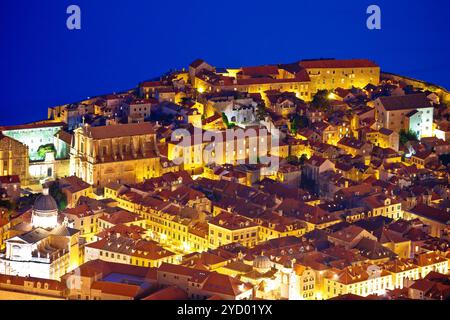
(124, 42)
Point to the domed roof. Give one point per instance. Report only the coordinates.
(45, 202)
(262, 262)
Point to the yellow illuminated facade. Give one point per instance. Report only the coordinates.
(13, 158)
(45, 249)
(188, 234)
(357, 281)
(268, 231)
(191, 155)
(331, 74)
(384, 139)
(245, 143)
(116, 153)
(226, 228)
(386, 207)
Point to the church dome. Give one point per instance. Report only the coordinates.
(45, 212)
(262, 263)
(45, 202)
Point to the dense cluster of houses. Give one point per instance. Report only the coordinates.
(356, 208)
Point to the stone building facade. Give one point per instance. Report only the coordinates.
(116, 153)
(13, 158)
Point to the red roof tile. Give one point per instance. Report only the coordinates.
(118, 289)
(170, 293)
(328, 64)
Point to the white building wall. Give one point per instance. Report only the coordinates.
(25, 269)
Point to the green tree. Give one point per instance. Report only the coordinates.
(26, 201)
(228, 124)
(293, 160)
(225, 119)
(445, 159)
(58, 195)
(299, 122)
(406, 136)
(261, 112)
(408, 89)
(294, 125)
(303, 158)
(10, 206)
(185, 100)
(6, 204)
(43, 150)
(320, 100)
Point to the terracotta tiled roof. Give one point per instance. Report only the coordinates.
(119, 130)
(354, 63)
(355, 274)
(120, 217)
(348, 234)
(118, 289)
(223, 284)
(65, 136)
(422, 154)
(145, 249)
(215, 297)
(32, 126)
(400, 265)
(350, 297)
(411, 101)
(423, 285)
(351, 143)
(152, 84)
(439, 215)
(193, 274)
(316, 161)
(386, 132)
(133, 232)
(428, 258)
(385, 235)
(232, 221)
(206, 258)
(416, 234)
(259, 71)
(9, 179)
(279, 223)
(99, 268)
(73, 184)
(143, 101)
(302, 77)
(196, 63)
(20, 281)
(170, 293)
(373, 250)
